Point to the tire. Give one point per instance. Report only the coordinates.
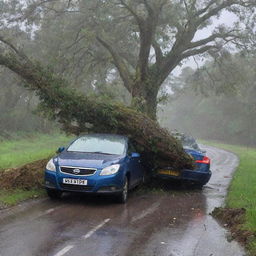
(123, 196)
(54, 194)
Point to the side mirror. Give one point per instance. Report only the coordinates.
(60, 149)
(135, 155)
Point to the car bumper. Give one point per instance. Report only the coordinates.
(105, 185)
(190, 175)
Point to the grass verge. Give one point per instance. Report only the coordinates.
(242, 190)
(19, 164)
(12, 197)
(17, 152)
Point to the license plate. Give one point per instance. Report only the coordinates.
(74, 181)
(169, 172)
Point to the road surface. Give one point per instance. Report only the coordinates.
(172, 223)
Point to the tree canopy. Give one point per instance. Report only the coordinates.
(144, 40)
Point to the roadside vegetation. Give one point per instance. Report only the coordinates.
(15, 158)
(12, 197)
(242, 190)
(19, 151)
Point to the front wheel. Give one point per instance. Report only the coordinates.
(122, 197)
(54, 194)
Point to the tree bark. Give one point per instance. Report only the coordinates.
(144, 98)
(78, 114)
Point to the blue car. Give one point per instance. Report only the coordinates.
(200, 175)
(95, 163)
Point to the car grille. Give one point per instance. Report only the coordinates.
(82, 171)
(75, 187)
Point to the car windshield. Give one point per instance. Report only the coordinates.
(103, 144)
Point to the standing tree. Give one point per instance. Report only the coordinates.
(168, 27)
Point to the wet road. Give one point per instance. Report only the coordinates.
(173, 223)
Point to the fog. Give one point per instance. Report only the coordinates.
(223, 109)
(197, 72)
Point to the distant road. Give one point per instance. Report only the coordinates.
(166, 224)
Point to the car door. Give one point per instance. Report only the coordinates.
(135, 167)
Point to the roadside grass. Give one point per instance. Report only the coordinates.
(16, 152)
(13, 197)
(19, 151)
(242, 190)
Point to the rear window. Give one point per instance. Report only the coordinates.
(189, 142)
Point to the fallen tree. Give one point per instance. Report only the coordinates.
(78, 113)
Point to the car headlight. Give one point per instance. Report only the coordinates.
(51, 166)
(112, 169)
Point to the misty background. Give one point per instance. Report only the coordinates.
(210, 96)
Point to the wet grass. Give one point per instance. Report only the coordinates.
(242, 190)
(16, 152)
(23, 150)
(13, 197)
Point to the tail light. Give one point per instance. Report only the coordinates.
(205, 160)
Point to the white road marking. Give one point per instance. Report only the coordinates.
(90, 233)
(50, 211)
(47, 212)
(146, 212)
(64, 250)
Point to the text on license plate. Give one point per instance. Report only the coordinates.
(169, 172)
(74, 181)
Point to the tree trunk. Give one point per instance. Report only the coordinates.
(144, 98)
(78, 113)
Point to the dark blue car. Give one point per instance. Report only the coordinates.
(95, 163)
(201, 174)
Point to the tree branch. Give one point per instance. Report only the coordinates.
(211, 38)
(129, 58)
(12, 47)
(119, 63)
(31, 9)
(133, 12)
(197, 51)
(148, 7)
(215, 10)
(200, 12)
(158, 52)
(185, 35)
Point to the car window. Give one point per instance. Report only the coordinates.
(189, 142)
(108, 144)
